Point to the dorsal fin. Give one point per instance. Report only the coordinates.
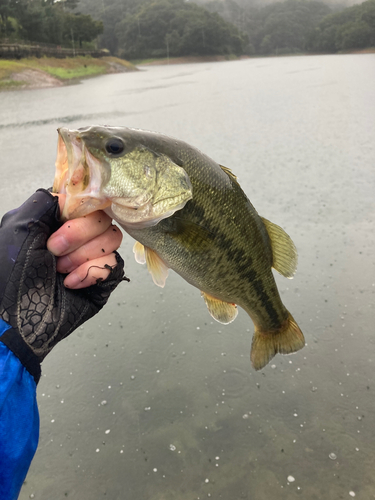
(284, 252)
(229, 172)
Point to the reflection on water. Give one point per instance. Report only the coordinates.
(154, 400)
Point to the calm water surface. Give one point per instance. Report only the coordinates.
(154, 401)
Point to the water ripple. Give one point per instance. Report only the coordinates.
(232, 383)
(64, 119)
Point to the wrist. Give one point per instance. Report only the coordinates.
(11, 338)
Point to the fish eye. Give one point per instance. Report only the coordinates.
(115, 146)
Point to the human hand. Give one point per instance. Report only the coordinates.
(84, 248)
(35, 306)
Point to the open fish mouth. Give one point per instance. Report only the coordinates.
(78, 175)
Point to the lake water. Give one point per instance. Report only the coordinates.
(153, 400)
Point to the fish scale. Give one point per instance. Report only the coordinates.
(214, 238)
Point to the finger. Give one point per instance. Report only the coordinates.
(100, 246)
(89, 273)
(77, 232)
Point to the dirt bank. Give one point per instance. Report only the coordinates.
(52, 72)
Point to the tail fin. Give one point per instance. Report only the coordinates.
(286, 340)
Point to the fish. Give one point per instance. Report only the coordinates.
(189, 214)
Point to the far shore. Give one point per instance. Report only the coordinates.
(199, 59)
(187, 60)
(45, 72)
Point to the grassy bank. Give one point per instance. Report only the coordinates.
(49, 71)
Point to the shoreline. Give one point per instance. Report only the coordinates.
(201, 59)
(187, 60)
(46, 72)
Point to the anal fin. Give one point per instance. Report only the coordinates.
(266, 345)
(221, 311)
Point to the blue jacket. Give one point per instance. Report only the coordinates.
(19, 421)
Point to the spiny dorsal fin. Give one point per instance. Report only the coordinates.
(284, 252)
(223, 312)
(229, 172)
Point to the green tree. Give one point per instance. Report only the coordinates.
(352, 28)
(9, 13)
(143, 28)
(81, 28)
(367, 15)
(33, 23)
(176, 28)
(355, 35)
(48, 21)
(276, 28)
(111, 13)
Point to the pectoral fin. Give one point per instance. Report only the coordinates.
(223, 312)
(155, 265)
(139, 253)
(284, 252)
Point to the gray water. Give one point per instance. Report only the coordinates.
(153, 400)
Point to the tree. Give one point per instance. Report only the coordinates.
(352, 28)
(355, 35)
(82, 28)
(154, 28)
(276, 28)
(176, 28)
(9, 13)
(48, 21)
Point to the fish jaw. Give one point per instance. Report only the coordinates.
(79, 174)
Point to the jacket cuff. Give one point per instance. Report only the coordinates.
(29, 360)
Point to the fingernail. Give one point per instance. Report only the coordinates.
(58, 244)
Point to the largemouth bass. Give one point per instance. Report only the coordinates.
(189, 214)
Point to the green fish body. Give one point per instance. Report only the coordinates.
(216, 241)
